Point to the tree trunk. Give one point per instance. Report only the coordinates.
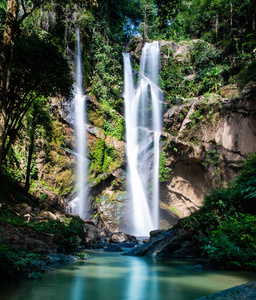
(217, 26)
(231, 15)
(253, 21)
(30, 154)
(6, 53)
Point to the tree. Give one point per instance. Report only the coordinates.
(11, 30)
(6, 50)
(167, 11)
(38, 123)
(148, 11)
(38, 69)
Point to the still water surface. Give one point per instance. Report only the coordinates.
(111, 276)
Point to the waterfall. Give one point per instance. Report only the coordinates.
(143, 129)
(79, 204)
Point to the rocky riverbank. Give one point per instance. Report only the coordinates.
(245, 291)
(37, 235)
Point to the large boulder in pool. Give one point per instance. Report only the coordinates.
(119, 237)
(177, 242)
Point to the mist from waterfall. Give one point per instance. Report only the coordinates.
(143, 116)
(79, 205)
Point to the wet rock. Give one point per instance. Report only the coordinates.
(198, 267)
(154, 233)
(58, 258)
(27, 217)
(23, 208)
(120, 174)
(112, 209)
(103, 233)
(119, 237)
(26, 238)
(128, 245)
(91, 232)
(176, 242)
(113, 142)
(132, 238)
(170, 46)
(48, 215)
(99, 133)
(113, 248)
(243, 292)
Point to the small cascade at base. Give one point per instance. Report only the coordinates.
(143, 116)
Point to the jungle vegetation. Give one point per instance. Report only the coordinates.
(37, 42)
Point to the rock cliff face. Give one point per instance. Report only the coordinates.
(205, 142)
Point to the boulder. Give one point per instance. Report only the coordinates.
(26, 238)
(48, 215)
(113, 248)
(176, 242)
(23, 208)
(119, 237)
(128, 245)
(114, 143)
(112, 210)
(91, 232)
(99, 133)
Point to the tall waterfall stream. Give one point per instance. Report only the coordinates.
(79, 205)
(143, 114)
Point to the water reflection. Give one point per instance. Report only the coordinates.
(112, 276)
(138, 280)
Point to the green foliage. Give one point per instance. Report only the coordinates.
(212, 157)
(39, 68)
(99, 153)
(107, 74)
(38, 71)
(116, 128)
(82, 255)
(148, 25)
(104, 157)
(204, 55)
(172, 73)
(226, 221)
(205, 58)
(174, 210)
(3, 7)
(66, 233)
(201, 114)
(199, 73)
(233, 243)
(247, 74)
(167, 12)
(35, 275)
(164, 171)
(15, 264)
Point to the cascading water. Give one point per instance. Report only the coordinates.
(79, 204)
(143, 128)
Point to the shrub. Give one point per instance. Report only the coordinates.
(226, 223)
(233, 243)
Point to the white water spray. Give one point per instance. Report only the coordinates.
(79, 204)
(143, 127)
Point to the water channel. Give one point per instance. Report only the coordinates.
(111, 276)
